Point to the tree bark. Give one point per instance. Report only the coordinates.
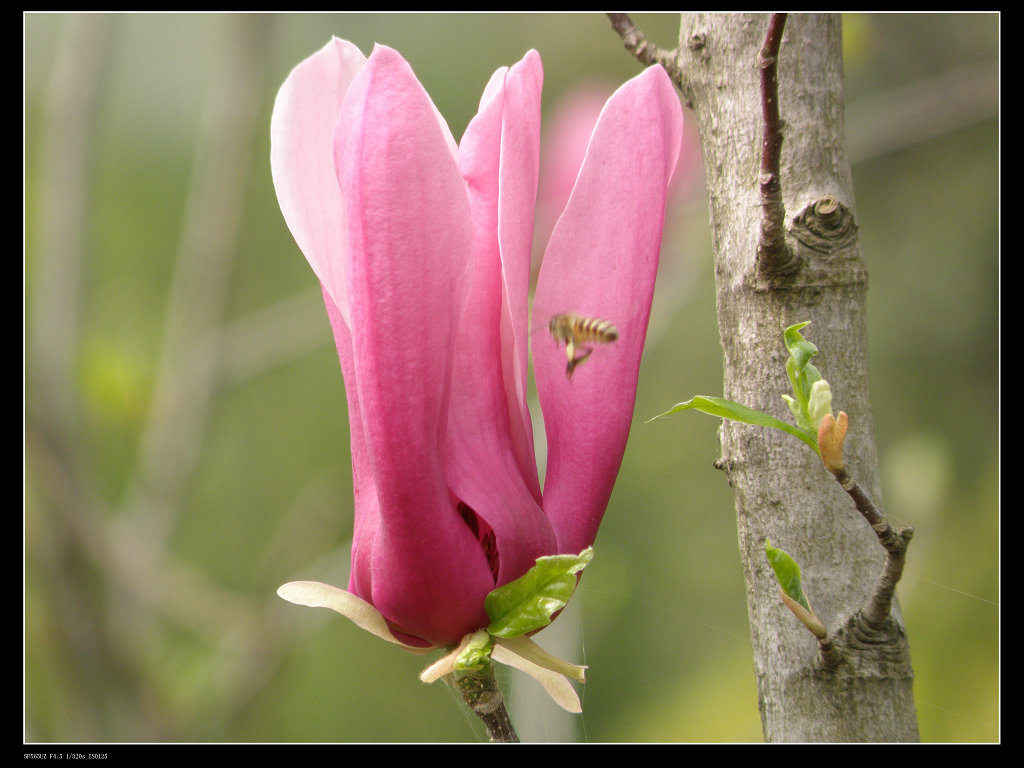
(782, 490)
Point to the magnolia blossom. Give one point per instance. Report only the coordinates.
(422, 247)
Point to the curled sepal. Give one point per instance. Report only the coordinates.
(525, 648)
(518, 652)
(446, 664)
(526, 604)
(555, 683)
(801, 373)
(831, 436)
(358, 611)
(787, 572)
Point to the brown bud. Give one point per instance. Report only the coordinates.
(831, 435)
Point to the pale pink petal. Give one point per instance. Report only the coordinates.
(557, 686)
(518, 179)
(601, 262)
(525, 647)
(302, 158)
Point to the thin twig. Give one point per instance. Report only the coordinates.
(829, 655)
(894, 542)
(772, 254)
(644, 50)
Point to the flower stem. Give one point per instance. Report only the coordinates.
(481, 692)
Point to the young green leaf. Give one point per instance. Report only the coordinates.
(726, 409)
(797, 345)
(527, 603)
(801, 373)
(787, 572)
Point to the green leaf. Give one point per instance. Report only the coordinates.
(797, 345)
(787, 572)
(801, 373)
(527, 603)
(726, 409)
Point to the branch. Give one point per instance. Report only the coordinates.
(894, 542)
(831, 437)
(646, 52)
(186, 377)
(773, 257)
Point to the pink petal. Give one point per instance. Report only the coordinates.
(409, 244)
(601, 262)
(302, 158)
(518, 175)
(367, 506)
(491, 465)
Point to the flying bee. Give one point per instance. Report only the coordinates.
(575, 330)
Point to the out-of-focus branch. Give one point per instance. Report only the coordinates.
(268, 337)
(70, 527)
(186, 375)
(922, 109)
(59, 233)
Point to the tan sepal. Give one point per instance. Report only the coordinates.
(525, 647)
(556, 684)
(358, 611)
(446, 664)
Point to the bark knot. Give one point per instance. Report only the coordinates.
(825, 226)
(873, 652)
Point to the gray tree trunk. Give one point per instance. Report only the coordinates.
(782, 490)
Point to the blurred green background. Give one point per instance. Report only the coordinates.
(186, 435)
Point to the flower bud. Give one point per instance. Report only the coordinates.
(831, 435)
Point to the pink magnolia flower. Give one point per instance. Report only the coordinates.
(422, 247)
